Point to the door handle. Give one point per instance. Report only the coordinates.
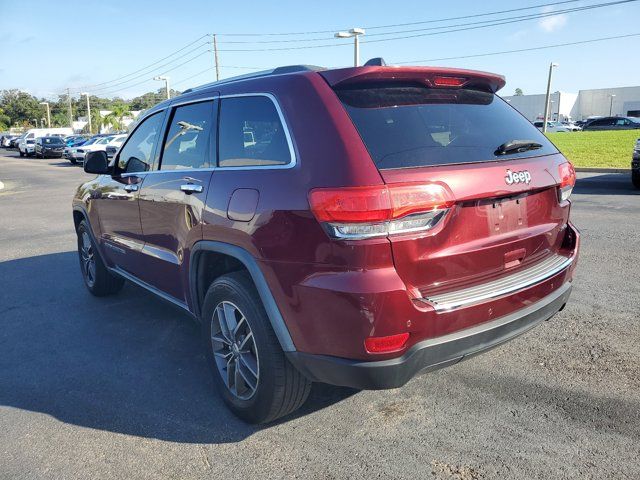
(190, 188)
(131, 188)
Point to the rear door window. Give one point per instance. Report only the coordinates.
(410, 125)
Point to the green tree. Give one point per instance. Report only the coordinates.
(20, 107)
(518, 92)
(118, 112)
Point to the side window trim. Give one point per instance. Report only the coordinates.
(293, 159)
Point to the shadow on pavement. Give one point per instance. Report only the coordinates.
(129, 364)
(606, 184)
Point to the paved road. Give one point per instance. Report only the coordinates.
(117, 387)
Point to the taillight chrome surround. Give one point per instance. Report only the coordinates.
(357, 213)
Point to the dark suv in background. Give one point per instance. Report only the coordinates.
(352, 226)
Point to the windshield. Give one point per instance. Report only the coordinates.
(412, 125)
(52, 140)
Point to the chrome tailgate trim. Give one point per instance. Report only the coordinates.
(512, 283)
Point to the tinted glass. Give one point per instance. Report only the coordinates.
(52, 140)
(251, 134)
(135, 155)
(412, 126)
(187, 144)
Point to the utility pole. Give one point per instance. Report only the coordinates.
(48, 113)
(70, 108)
(215, 57)
(166, 84)
(88, 112)
(546, 99)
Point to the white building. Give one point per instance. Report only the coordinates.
(622, 101)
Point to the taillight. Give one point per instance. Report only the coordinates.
(567, 181)
(390, 344)
(354, 213)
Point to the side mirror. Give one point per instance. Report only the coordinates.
(96, 162)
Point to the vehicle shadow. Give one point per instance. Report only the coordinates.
(605, 184)
(129, 363)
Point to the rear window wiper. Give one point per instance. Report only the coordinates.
(517, 146)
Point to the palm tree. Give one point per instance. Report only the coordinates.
(117, 114)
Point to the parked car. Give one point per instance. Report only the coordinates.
(49, 147)
(613, 123)
(572, 126)
(13, 143)
(26, 147)
(5, 140)
(77, 154)
(74, 140)
(635, 165)
(406, 219)
(552, 127)
(114, 144)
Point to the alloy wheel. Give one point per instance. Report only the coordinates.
(87, 259)
(234, 350)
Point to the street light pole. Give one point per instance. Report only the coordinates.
(546, 100)
(166, 84)
(48, 113)
(355, 33)
(611, 103)
(88, 112)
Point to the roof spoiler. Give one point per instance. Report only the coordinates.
(435, 77)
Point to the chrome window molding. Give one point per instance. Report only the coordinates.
(292, 151)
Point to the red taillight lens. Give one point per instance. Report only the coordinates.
(377, 203)
(351, 205)
(390, 344)
(449, 81)
(567, 180)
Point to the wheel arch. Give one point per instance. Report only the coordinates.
(250, 264)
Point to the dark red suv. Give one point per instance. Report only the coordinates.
(354, 226)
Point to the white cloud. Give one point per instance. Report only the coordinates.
(553, 22)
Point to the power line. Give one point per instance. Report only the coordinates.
(542, 5)
(519, 50)
(143, 68)
(452, 30)
(441, 27)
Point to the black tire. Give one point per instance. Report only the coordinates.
(21, 154)
(280, 388)
(73, 161)
(635, 178)
(98, 280)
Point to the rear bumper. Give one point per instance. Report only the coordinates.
(429, 354)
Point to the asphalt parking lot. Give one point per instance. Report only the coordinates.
(118, 388)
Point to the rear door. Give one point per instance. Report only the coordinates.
(505, 213)
(172, 197)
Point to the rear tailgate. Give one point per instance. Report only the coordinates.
(492, 230)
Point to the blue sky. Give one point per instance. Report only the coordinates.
(47, 46)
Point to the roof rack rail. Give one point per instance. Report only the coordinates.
(263, 73)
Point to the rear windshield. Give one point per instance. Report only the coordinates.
(413, 126)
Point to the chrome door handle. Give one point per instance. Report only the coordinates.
(190, 188)
(131, 188)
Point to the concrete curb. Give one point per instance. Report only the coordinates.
(603, 170)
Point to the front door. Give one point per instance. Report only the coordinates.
(116, 197)
(173, 196)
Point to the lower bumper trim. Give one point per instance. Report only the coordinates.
(430, 354)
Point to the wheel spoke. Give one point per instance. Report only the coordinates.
(223, 324)
(223, 355)
(230, 319)
(248, 337)
(219, 337)
(238, 326)
(250, 363)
